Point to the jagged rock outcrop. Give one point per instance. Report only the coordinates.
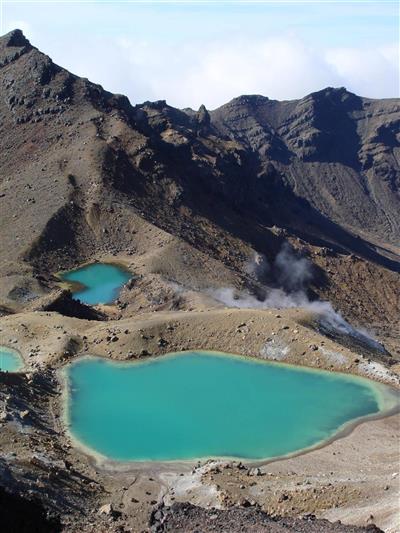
(187, 518)
(338, 151)
(61, 301)
(23, 515)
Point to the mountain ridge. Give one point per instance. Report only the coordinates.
(320, 172)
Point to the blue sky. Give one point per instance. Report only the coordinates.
(192, 53)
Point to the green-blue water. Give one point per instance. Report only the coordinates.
(10, 360)
(100, 283)
(201, 404)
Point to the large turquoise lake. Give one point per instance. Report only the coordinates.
(10, 360)
(97, 283)
(203, 404)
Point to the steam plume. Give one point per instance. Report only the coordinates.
(293, 275)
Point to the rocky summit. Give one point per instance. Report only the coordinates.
(265, 228)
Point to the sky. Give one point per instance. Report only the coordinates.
(210, 51)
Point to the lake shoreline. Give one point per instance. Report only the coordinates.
(370, 447)
(83, 283)
(388, 400)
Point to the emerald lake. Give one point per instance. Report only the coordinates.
(10, 360)
(203, 404)
(97, 283)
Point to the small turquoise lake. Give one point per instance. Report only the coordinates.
(10, 360)
(203, 404)
(97, 283)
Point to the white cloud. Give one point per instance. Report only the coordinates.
(213, 72)
(21, 25)
(369, 72)
(281, 68)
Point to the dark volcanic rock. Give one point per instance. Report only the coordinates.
(61, 301)
(187, 518)
(327, 147)
(16, 38)
(21, 515)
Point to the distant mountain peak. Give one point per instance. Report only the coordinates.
(246, 99)
(15, 38)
